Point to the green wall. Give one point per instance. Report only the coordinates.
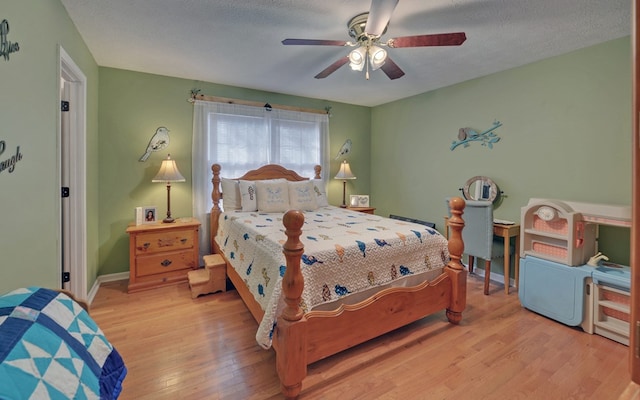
(566, 134)
(133, 105)
(30, 199)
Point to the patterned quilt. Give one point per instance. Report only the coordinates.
(50, 348)
(345, 252)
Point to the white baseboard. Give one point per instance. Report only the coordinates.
(120, 276)
(495, 277)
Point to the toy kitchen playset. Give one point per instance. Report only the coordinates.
(562, 274)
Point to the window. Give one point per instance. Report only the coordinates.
(241, 138)
(240, 143)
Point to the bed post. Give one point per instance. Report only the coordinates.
(454, 268)
(290, 336)
(215, 210)
(317, 169)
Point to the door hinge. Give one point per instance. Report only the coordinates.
(65, 192)
(66, 277)
(64, 106)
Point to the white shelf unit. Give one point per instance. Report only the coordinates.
(611, 313)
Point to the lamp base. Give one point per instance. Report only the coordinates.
(344, 194)
(168, 220)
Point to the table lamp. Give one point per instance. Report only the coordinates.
(344, 174)
(168, 173)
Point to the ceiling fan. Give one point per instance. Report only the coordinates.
(367, 29)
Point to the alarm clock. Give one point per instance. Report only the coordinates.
(547, 213)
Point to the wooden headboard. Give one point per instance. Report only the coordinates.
(269, 171)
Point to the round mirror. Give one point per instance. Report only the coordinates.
(480, 188)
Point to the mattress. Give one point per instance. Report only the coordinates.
(346, 253)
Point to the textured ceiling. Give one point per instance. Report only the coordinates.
(238, 42)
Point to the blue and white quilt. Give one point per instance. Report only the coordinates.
(50, 348)
(345, 252)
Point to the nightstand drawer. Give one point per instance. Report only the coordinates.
(165, 262)
(155, 242)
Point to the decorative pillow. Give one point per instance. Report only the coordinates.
(273, 196)
(231, 199)
(321, 194)
(248, 195)
(302, 196)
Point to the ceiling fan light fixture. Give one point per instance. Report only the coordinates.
(377, 57)
(357, 58)
(367, 29)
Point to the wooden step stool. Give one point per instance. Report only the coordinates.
(210, 279)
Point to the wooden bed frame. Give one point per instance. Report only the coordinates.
(301, 339)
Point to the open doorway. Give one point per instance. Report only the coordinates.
(72, 167)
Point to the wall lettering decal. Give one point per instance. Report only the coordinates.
(8, 164)
(6, 47)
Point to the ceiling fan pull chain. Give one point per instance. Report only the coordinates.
(366, 61)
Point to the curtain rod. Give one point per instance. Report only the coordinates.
(257, 104)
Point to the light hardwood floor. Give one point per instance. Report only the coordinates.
(176, 347)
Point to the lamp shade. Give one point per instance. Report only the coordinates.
(377, 57)
(357, 58)
(168, 172)
(345, 171)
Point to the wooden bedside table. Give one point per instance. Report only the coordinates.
(162, 254)
(366, 210)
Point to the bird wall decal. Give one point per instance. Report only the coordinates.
(345, 149)
(159, 141)
(486, 138)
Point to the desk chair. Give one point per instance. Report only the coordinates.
(478, 236)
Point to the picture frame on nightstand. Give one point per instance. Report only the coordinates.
(146, 215)
(353, 200)
(359, 200)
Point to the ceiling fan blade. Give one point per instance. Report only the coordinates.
(391, 69)
(379, 16)
(315, 42)
(440, 39)
(332, 68)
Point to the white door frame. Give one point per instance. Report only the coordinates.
(75, 238)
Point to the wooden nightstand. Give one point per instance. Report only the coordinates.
(366, 210)
(162, 254)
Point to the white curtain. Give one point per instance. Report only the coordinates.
(241, 138)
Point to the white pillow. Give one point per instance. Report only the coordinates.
(248, 194)
(231, 199)
(273, 196)
(321, 194)
(302, 196)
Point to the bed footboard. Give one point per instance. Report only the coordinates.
(295, 348)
